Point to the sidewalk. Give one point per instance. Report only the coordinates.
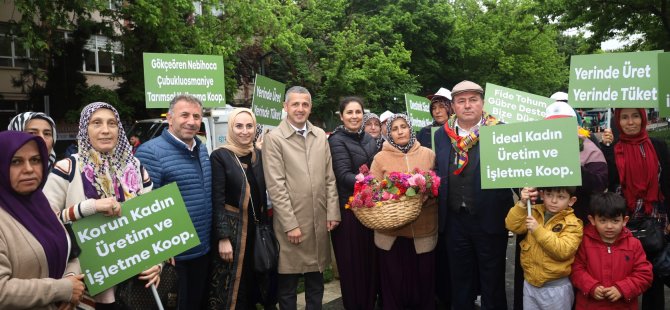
(332, 297)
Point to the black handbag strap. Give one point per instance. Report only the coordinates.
(251, 199)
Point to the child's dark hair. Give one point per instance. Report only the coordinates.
(571, 190)
(609, 205)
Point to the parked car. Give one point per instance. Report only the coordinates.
(212, 133)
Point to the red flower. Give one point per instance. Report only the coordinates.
(364, 169)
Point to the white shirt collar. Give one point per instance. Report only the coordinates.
(304, 127)
(190, 148)
(462, 132)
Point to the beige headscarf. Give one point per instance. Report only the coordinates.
(232, 143)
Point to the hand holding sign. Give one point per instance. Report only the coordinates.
(154, 227)
(607, 137)
(108, 206)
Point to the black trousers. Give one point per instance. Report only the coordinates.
(288, 286)
(472, 251)
(192, 278)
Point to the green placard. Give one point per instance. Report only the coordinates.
(513, 106)
(152, 228)
(664, 83)
(541, 153)
(433, 130)
(617, 80)
(268, 100)
(418, 110)
(169, 75)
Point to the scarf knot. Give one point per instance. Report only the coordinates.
(463, 144)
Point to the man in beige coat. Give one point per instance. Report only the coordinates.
(301, 185)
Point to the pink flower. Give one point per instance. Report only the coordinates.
(89, 173)
(417, 180)
(387, 196)
(131, 180)
(360, 177)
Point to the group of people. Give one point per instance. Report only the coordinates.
(300, 182)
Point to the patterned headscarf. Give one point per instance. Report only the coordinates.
(232, 143)
(259, 132)
(20, 121)
(112, 174)
(368, 116)
(412, 136)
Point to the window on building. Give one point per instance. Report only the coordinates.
(114, 4)
(12, 51)
(98, 54)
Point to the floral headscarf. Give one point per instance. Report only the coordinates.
(259, 132)
(412, 137)
(112, 174)
(20, 121)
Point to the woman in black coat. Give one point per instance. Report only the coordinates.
(238, 200)
(353, 243)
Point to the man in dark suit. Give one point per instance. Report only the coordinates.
(472, 219)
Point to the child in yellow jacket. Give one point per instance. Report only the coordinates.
(553, 237)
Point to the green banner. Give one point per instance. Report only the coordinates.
(542, 153)
(664, 83)
(169, 75)
(152, 228)
(513, 106)
(268, 101)
(616, 80)
(418, 110)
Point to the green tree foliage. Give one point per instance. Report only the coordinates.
(614, 19)
(96, 93)
(502, 42)
(377, 49)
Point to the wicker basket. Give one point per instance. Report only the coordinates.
(391, 214)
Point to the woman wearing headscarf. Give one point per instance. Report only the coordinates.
(97, 179)
(638, 170)
(406, 254)
(239, 202)
(353, 243)
(37, 124)
(373, 127)
(35, 270)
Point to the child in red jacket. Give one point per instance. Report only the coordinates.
(610, 270)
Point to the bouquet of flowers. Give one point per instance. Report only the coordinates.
(394, 201)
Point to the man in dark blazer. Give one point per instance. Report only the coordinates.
(471, 219)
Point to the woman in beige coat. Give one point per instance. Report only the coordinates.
(35, 272)
(406, 254)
